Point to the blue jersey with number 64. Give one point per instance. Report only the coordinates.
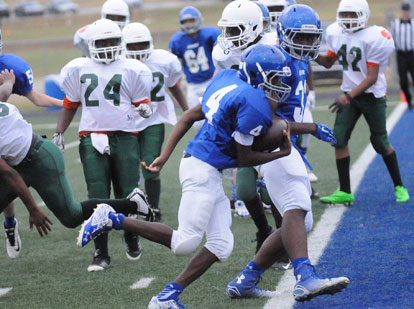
(229, 105)
(195, 53)
(22, 72)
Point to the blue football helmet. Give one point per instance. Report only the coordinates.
(299, 31)
(264, 67)
(266, 16)
(190, 12)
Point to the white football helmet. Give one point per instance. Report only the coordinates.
(275, 9)
(137, 33)
(359, 7)
(118, 8)
(108, 31)
(242, 23)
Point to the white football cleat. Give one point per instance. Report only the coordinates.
(143, 209)
(13, 242)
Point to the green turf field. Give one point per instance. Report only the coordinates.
(51, 271)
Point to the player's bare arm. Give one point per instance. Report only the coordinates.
(179, 96)
(344, 99)
(13, 179)
(326, 61)
(183, 125)
(42, 100)
(65, 118)
(7, 80)
(246, 156)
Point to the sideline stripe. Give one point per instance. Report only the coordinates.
(320, 236)
(142, 283)
(4, 291)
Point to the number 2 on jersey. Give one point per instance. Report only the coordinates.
(111, 91)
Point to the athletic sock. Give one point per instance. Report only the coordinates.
(171, 291)
(392, 165)
(117, 220)
(342, 165)
(9, 222)
(253, 266)
(302, 267)
(153, 190)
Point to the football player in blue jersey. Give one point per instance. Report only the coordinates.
(236, 107)
(193, 45)
(20, 81)
(287, 181)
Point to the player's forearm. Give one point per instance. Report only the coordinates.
(5, 91)
(179, 96)
(180, 129)
(13, 179)
(325, 61)
(43, 100)
(65, 118)
(298, 128)
(363, 86)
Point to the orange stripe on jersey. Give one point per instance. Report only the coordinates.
(142, 102)
(69, 104)
(330, 54)
(372, 64)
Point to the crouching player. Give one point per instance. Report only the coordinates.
(234, 112)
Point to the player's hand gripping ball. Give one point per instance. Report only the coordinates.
(273, 138)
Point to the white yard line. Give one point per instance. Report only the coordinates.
(4, 291)
(142, 283)
(320, 236)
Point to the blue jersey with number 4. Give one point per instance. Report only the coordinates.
(22, 72)
(229, 105)
(294, 106)
(195, 53)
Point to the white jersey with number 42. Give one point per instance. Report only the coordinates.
(166, 71)
(107, 92)
(358, 50)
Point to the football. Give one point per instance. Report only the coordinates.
(273, 138)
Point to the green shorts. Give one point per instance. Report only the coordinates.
(121, 167)
(150, 143)
(44, 170)
(374, 111)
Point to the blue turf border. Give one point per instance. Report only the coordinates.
(373, 244)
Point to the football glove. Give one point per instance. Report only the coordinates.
(324, 133)
(59, 141)
(340, 103)
(144, 110)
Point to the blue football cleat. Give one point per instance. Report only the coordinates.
(314, 286)
(244, 286)
(96, 225)
(155, 303)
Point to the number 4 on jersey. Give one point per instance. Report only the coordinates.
(213, 101)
